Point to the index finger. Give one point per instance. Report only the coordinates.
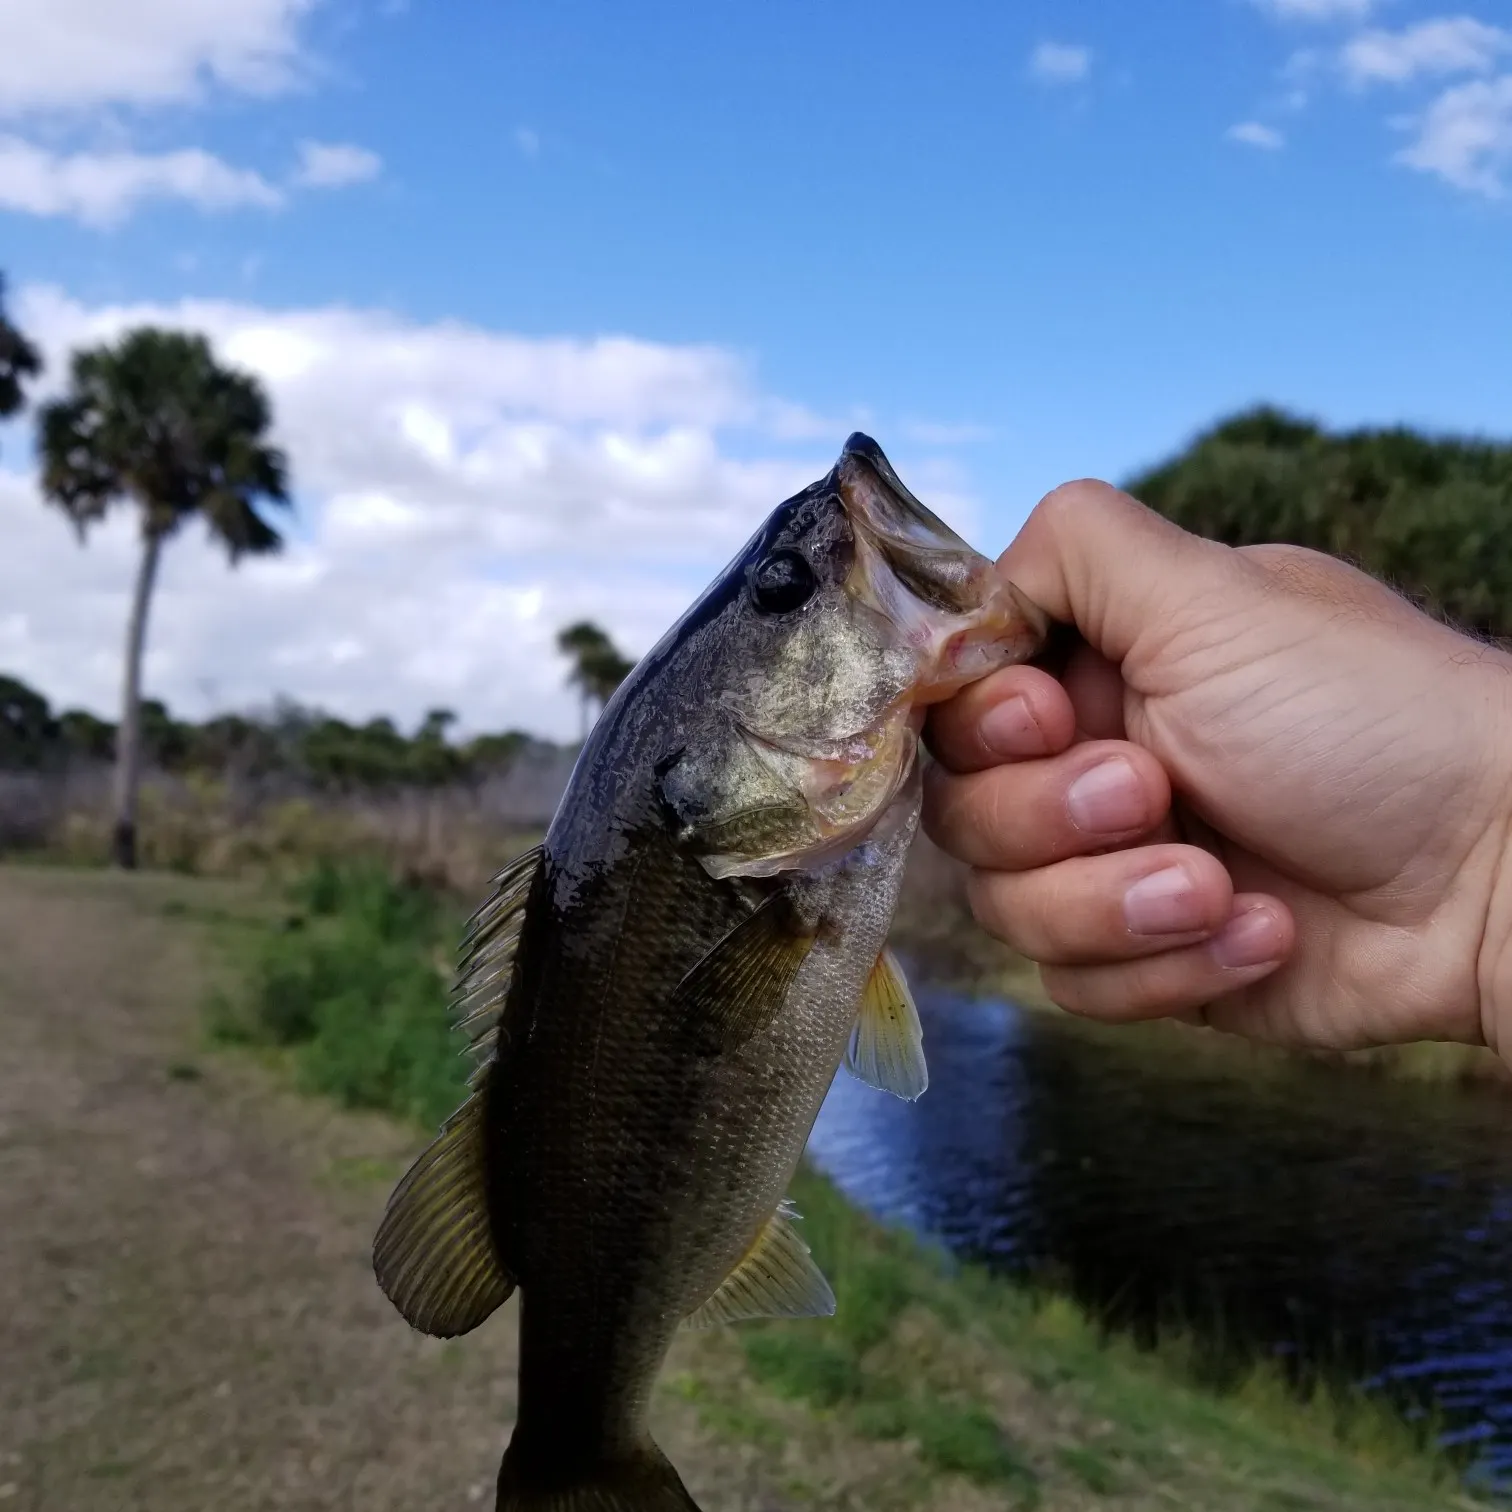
(1015, 714)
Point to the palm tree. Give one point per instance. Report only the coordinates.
(19, 359)
(154, 421)
(597, 666)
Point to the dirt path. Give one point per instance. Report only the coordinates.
(187, 1314)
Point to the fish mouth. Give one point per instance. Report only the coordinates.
(962, 617)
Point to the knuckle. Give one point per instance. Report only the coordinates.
(1001, 916)
(1071, 503)
(1066, 987)
(1067, 505)
(952, 814)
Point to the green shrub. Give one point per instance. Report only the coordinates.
(967, 1440)
(355, 985)
(804, 1366)
(1091, 1468)
(873, 1291)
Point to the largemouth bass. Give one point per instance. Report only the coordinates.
(660, 994)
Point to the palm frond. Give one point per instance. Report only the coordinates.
(19, 360)
(154, 420)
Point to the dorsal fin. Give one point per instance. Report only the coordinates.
(886, 1048)
(434, 1253)
(776, 1278)
(488, 954)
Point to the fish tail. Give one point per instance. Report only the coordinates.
(640, 1479)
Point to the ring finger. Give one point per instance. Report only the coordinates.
(1115, 907)
(1028, 814)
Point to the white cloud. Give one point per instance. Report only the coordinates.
(1256, 134)
(1447, 45)
(1318, 10)
(1060, 63)
(102, 188)
(331, 165)
(1465, 137)
(462, 494)
(358, 631)
(83, 54)
(73, 61)
(528, 141)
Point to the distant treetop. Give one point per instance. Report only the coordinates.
(19, 360)
(1431, 515)
(307, 745)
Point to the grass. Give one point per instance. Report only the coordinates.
(353, 983)
(954, 1377)
(922, 1349)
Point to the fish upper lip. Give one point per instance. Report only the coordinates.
(862, 471)
(964, 601)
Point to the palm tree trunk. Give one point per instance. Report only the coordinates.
(128, 773)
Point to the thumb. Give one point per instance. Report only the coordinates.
(1091, 556)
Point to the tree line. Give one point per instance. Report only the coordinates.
(1431, 515)
(288, 740)
(154, 423)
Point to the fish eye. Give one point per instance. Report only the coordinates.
(782, 581)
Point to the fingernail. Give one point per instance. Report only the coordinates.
(1165, 902)
(1108, 799)
(1253, 939)
(1008, 729)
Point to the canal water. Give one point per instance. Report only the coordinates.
(1310, 1212)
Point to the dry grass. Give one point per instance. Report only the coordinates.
(451, 838)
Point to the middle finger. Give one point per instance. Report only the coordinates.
(1098, 794)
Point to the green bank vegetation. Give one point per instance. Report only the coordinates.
(349, 986)
(945, 1376)
(1431, 515)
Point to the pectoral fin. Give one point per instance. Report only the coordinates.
(777, 1278)
(739, 987)
(434, 1253)
(887, 1045)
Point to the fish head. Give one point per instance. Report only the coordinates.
(846, 615)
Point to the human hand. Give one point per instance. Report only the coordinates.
(1267, 793)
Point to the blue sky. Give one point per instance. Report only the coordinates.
(1018, 244)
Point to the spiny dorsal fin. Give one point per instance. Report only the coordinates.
(434, 1255)
(488, 953)
(739, 987)
(887, 1045)
(777, 1278)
